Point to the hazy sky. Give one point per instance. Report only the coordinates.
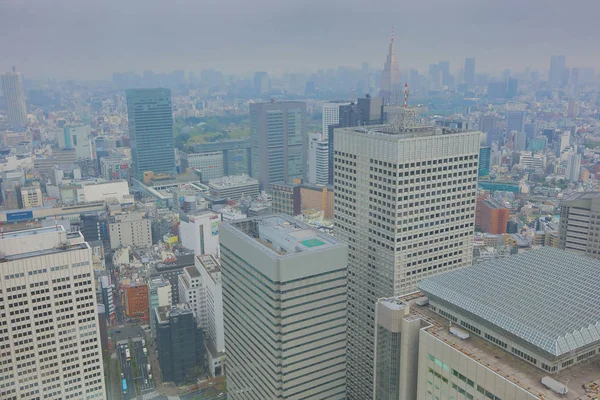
(93, 38)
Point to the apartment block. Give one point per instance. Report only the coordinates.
(130, 229)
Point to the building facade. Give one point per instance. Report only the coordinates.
(51, 345)
(135, 301)
(200, 232)
(151, 131)
(14, 96)
(235, 155)
(234, 187)
(414, 190)
(284, 305)
(391, 86)
(179, 343)
(76, 137)
(210, 164)
(279, 142)
(491, 216)
(318, 159)
(159, 295)
(130, 229)
(286, 199)
(579, 218)
(331, 115)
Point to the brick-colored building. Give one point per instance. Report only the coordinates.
(491, 216)
(317, 197)
(135, 301)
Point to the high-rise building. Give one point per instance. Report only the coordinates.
(279, 142)
(414, 189)
(565, 141)
(367, 111)
(573, 167)
(151, 131)
(179, 343)
(130, 229)
(284, 304)
(496, 90)
(200, 232)
(391, 86)
(579, 219)
(14, 97)
(286, 199)
(435, 76)
(491, 216)
(470, 71)
(331, 114)
(490, 331)
(485, 155)
(557, 70)
(51, 349)
(135, 300)
(487, 122)
(318, 159)
(159, 295)
(76, 137)
(515, 121)
(445, 71)
(235, 156)
(262, 85)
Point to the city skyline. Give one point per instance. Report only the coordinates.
(107, 41)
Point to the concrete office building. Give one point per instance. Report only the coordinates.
(515, 121)
(210, 164)
(171, 272)
(14, 97)
(234, 153)
(159, 295)
(76, 137)
(279, 142)
(295, 279)
(191, 291)
(130, 229)
(151, 131)
(573, 170)
(557, 70)
(31, 197)
(413, 188)
(286, 199)
(200, 232)
(212, 308)
(331, 115)
(179, 343)
(234, 187)
(318, 159)
(579, 220)
(108, 298)
(51, 344)
(135, 300)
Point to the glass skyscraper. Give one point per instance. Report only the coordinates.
(151, 131)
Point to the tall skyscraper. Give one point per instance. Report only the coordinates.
(445, 71)
(318, 159)
(435, 76)
(14, 96)
(487, 122)
(470, 71)
(391, 86)
(331, 114)
(151, 131)
(279, 142)
(413, 188)
(557, 69)
(515, 121)
(284, 303)
(573, 167)
(262, 85)
(512, 88)
(51, 340)
(76, 137)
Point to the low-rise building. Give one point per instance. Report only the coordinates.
(130, 229)
(491, 216)
(200, 232)
(135, 300)
(233, 187)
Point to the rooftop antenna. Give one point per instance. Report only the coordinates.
(1, 229)
(352, 97)
(392, 33)
(406, 95)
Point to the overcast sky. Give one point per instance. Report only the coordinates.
(93, 38)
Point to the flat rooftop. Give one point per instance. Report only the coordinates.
(192, 271)
(505, 364)
(232, 181)
(547, 298)
(284, 234)
(72, 247)
(209, 262)
(32, 232)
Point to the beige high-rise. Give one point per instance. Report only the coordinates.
(405, 204)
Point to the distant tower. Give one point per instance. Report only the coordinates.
(470, 71)
(14, 96)
(391, 87)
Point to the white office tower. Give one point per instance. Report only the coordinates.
(14, 96)
(159, 295)
(284, 303)
(573, 167)
(212, 308)
(405, 204)
(331, 115)
(318, 159)
(50, 337)
(565, 141)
